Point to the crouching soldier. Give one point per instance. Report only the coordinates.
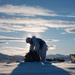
(38, 45)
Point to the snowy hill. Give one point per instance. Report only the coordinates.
(37, 68)
(7, 58)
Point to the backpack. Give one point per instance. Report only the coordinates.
(32, 56)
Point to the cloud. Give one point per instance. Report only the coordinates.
(3, 42)
(13, 50)
(24, 10)
(36, 25)
(51, 47)
(7, 39)
(31, 25)
(52, 40)
(71, 16)
(70, 30)
(35, 29)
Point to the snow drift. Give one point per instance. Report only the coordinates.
(38, 68)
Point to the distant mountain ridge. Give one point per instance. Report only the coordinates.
(61, 56)
(4, 57)
(16, 58)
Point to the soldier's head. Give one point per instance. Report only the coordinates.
(28, 40)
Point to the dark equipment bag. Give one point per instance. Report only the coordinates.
(32, 56)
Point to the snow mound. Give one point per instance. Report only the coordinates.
(38, 68)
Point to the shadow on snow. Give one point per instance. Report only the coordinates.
(38, 68)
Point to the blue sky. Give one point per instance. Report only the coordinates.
(51, 20)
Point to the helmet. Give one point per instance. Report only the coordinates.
(28, 40)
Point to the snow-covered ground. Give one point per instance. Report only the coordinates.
(37, 68)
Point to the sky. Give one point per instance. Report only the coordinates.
(50, 20)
